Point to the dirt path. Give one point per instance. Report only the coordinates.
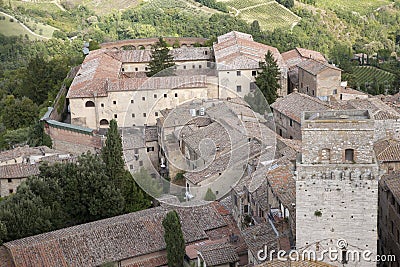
(58, 5)
(25, 27)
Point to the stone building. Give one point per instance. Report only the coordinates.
(336, 172)
(319, 79)
(287, 113)
(238, 59)
(17, 164)
(293, 58)
(389, 217)
(387, 153)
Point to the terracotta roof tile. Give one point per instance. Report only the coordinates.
(217, 254)
(111, 239)
(18, 170)
(387, 150)
(237, 50)
(315, 67)
(295, 103)
(297, 55)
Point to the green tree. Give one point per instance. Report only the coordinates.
(135, 198)
(18, 113)
(210, 196)
(3, 232)
(160, 59)
(112, 154)
(173, 237)
(268, 78)
(148, 183)
(38, 137)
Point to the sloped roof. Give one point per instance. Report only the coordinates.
(379, 109)
(392, 182)
(297, 55)
(217, 254)
(295, 103)
(236, 50)
(387, 150)
(21, 170)
(259, 236)
(111, 239)
(315, 67)
(24, 151)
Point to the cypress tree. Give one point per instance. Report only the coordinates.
(268, 78)
(173, 237)
(160, 59)
(112, 154)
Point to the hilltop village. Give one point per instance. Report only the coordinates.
(320, 165)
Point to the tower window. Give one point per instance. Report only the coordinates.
(291, 122)
(254, 73)
(155, 96)
(349, 155)
(114, 102)
(132, 101)
(238, 73)
(143, 98)
(239, 88)
(144, 115)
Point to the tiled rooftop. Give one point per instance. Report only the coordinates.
(392, 182)
(379, 109)
(25, 151)
(315, 67)
(295, 103)
(387, 150)
(260, 235)
(20, 170)
(236, 50)
(217, 254)
(111, 239)
(297, 55)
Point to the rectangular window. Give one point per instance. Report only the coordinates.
(144, 114)
(11, 191)
(114, 102)
(184, 67)
(132, 101)
(140, 163)
(115, 116)
(156, 113)
(246, 208)
(291, 122)
(136, 69)
(335, 91)
(146, 68)
(143, 98)
(239, 88)
(193, 66)
(253, 86)
(133, 115)
(155, 96)
(102, 105)
(238, 73)
(200, 66)
(254, 73)
(165, 95)
(136, 150)
(313, 93)
(150, 149)
(9, 180)
(131, 167)
(176, 94)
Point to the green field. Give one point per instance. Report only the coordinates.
(14, 29)
(361, 6)
(269, 14)
(369, 74)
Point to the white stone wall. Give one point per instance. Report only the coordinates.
(346, 193)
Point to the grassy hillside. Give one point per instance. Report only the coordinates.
(361, 6)
(269, 14)
(13, 28)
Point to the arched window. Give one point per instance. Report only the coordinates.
(349, 155)
(104, 122)
(89, 104)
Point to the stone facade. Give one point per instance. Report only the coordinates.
(318, 79)
(389, 217)
(337, 171)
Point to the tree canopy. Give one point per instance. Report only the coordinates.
(160, 59)
(173, 237)
(268, 78)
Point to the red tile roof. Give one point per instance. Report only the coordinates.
(387, 150)
(21, 170)
(111, 239)
(297, 55)
(295, 103)
(315, 67)
(236, 50)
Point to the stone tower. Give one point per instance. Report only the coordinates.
(337, 185)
